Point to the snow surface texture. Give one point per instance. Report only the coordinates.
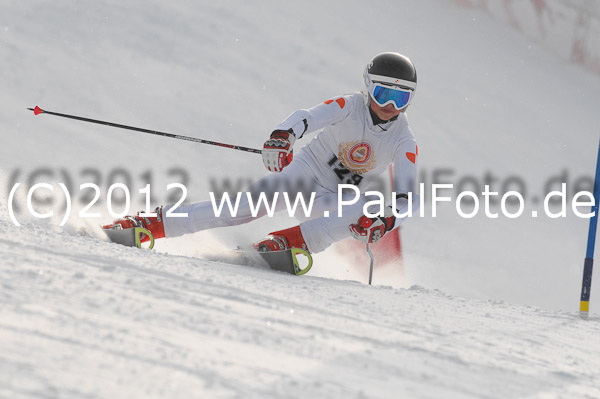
(85, 318)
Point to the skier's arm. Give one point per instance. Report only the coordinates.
(277, 151)
(309, 120)
(405, 179)
(372, 229)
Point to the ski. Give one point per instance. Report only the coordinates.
(295, 261)
(129, 237)
(292, 261)
(288, 261)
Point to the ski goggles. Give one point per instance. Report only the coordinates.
(384, 95)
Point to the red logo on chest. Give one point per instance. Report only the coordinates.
(360, 153)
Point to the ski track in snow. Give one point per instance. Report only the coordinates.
(77, 310)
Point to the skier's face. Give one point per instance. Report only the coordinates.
(385, 113)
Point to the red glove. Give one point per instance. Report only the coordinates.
(277, 151)
(370, 230)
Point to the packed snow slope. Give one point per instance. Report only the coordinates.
(81, 318)
(479, 308)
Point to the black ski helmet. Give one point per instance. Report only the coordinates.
(391, 69)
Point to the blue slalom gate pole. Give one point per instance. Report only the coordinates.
(588, 265)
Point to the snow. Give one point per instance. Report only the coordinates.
(84, 318)
(480, 307)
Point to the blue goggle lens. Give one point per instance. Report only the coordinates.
(384, 95)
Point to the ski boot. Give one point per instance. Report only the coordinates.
(281, 248)
(132, 231)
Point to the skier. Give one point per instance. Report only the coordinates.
(362, 133)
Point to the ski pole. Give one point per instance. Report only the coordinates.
(37, 110)
(372, 261)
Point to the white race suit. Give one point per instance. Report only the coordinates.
(349, 149)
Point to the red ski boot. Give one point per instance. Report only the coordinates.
(281, 250)
(282, 240)
(153, 224)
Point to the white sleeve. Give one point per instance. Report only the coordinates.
(405, 178)
(327, 113)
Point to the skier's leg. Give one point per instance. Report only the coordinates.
(322, 228)
(297, 177)
(320, 233)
